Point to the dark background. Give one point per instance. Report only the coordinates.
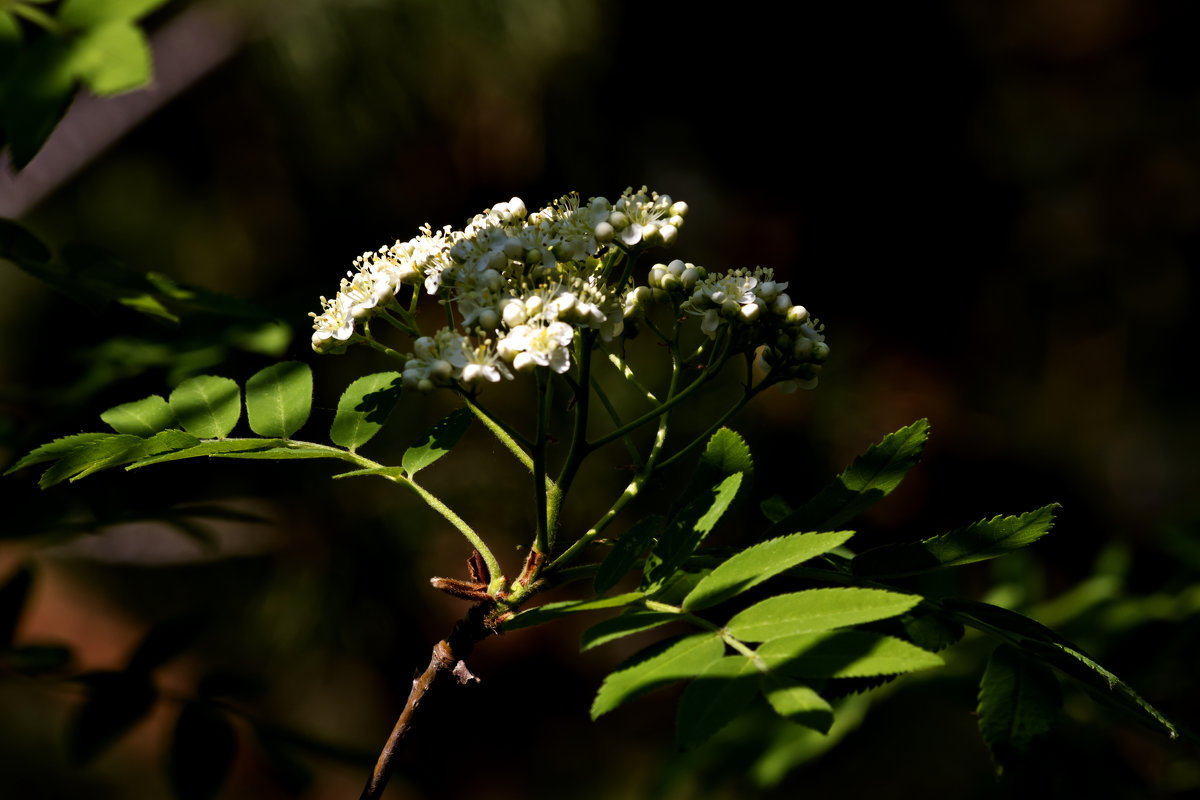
(994, 208)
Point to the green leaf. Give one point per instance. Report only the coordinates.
(756, 564)
(844, 654)
(202, 752)
(713, 698)
(1043, 644)
(667, 662)
(624, 625)
(116, 702)
(219, 448)
(285, 450)
(384, 472)
(19, 245)
(1019, 700)
(57, 449)
(113, 451)
(112, 58)
(871, 477)
(817, 610)
(89, 13)
(437, 441)
(558, 610)
(625, 553)
(775, 508)
(33, 105)
(144, 417)
(689, 527)
(207, 406)
(13, 596)
(364, 408)
(279, 399)
(980, 541)
(796, 702)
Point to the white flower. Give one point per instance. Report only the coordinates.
(538, 345)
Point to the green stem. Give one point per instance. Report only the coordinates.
(671, 401)
(700, 622)
(541, 541)
(627, 372)
(736, 407)
(578, 449)
(616, 418)
(507, 436)
(383, 348)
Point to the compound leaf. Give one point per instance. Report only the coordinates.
(796, 702)
(624, 625)
(1019, 700)
(52, 451)
(689, 527)
(557, 610)
(625, 553)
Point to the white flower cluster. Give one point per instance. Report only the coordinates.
(524, 283)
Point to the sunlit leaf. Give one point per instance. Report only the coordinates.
(844, 654)
(564, 608)
(113, 450)
(218, 448)
(144, 417)
(202, 752)
(796, 702)
(868, 479)
(982, 540)
(713, 698)
(364, 408)
(1019, 700)
(207, 406)
(437, 441)
(688, 528)
(625, 553)
(279, 399)
(756, 564)
(667, 662)
(112, 58)
(624, 625)
(817, 610)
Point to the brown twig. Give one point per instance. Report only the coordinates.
(448, 659)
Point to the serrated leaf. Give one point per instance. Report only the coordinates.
(688, 528)
(144, 417)
(383, 472)
(775, 508)
(207, 406)
(202, 752)
(1019, 700)
(667, 662)
(113, 451)
(869, 478)
(56, 449)
(111, 58)
(437, 442)
(624, 625)
(796, 702)
(1043, 644)
(817, 610)
(363, 409)
(89, 13)
(713, 698)
(725, 454)
(286, 450)
(558, 610)
(116, 702)
(13, 596)
(756, 564)
(217, 448)
(625, 553)
(279, 399)
(979, 541)
(932, 631)
(844, 654)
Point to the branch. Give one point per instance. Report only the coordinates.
(447, 659)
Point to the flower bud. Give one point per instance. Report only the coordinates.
(489, 319)
(668, 233)
(797, 315)
(618, 220)
(441, 369)
(820, 352)
(680, 208)
(657, 272)
(604, 233)
(689, 278)
(513, 313)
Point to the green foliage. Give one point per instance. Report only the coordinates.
(717, 694)
(207, 406)
(816, 610)
(626, 553)
(144, 417)
(688, 528)
(977, 542)
(437, 441)
(844, 654)
(1019, 701)
(363, 409)
(279, 399)
(677, 659)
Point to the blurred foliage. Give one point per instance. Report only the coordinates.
(994, 207)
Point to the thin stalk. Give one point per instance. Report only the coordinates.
(736, 407)
(541, 541)
(627, 372)
(700, 622)
(514, 441)
(667, 405)
(578, 449)
(383, 348)
(403, 325)
(616, 418)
